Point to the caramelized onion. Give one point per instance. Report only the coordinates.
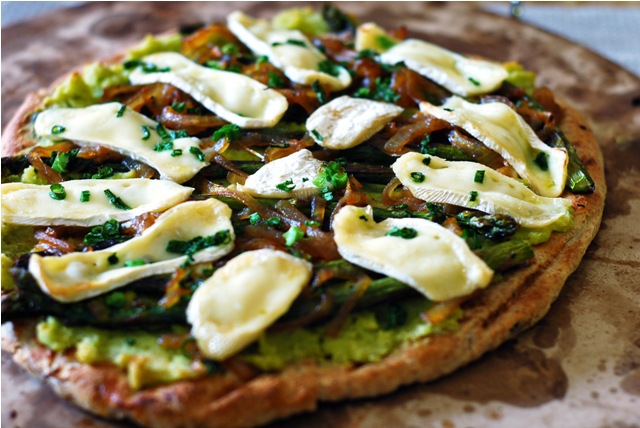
(49, 242)
(359, 288)
(407, 134)
(192, 123)
(173, 291)
(475, 149)
(35, 159)
(440, 311)
(392, 196)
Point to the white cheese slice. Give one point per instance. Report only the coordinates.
(436, 262)
(244, 297)
(234, 97)
(31, 204)
(346, 122)
(78, 276)
(461, 75)
(295, 172)
(289, 50)
(502, 130)
(447, 182)
(100, 124)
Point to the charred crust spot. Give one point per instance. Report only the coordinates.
(583, 127)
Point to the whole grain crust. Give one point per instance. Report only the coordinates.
(495, 315)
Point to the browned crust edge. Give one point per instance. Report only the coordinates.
(500, 312)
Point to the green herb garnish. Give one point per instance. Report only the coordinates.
(134, 263)
(292, 42)
(57, 192)
(479, 177)
(293, 235)
(145, 132)
(163, 146)
(474, 81)
(320, 94)
(542, 160)
(176, 153)
(189, 248)
(61, 161)
(473, 196)
(121, 110)
(197, 153)
(274, 221)
(286, 186)
(109, 231)
(58, 129)
(116, 201)
(179, 107)
(274, 80)
(85, 196)
(113, 259)
(317, 135)
(417, 177)
(103, 172)
(229, 131)
(329, 67)
(426, 161)
(404, 233)
(254, 218)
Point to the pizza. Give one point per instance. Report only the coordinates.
(230, 224)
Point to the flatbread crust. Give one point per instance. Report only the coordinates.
(498, 313)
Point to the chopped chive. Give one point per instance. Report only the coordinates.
(317, 135)
(274, 221)
(254, 218)
(163, 146)
(293, 235)
(286, 186)
(404, 233)
(57, 192)
(58, 129)
(320, 94)
(230, 131)
(85, 196)
(134, 263)
(473, 196)
(417, 177)
(479, 177)
(274, 80)
(311, 223)
(293, 42)
(197, 153)
(145, 132)
(113, 259)
(116, 201)
(179, 107)
(474, 81)
(426, 161)
(230, 49)
(121, 110)
(176, 153)
(363, 218)
(542, 160)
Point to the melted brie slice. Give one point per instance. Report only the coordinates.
(294, 172)
(436, 262)
(31, 204)
(289, 50)
(78, 276)
(346, 122)
(502, 130)
(132, 134)
(234, 97)
(461, 75)
(244, 297)
(455, 183)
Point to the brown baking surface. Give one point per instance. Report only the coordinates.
(580, 366)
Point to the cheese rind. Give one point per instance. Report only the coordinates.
(504, 131)
(299, 167)
(346, 122)
(234, 97)
(436, 262)
(288, 50)
(244, 297)
(459, 74)
(81, 275)
(453, 183)
(100, 125)
(31, 204)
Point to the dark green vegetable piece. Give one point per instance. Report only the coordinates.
(506, 255)
(390, 315)
(337, 20)
(491, 226)
(109, 231)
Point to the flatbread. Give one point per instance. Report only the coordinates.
(231, 400)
